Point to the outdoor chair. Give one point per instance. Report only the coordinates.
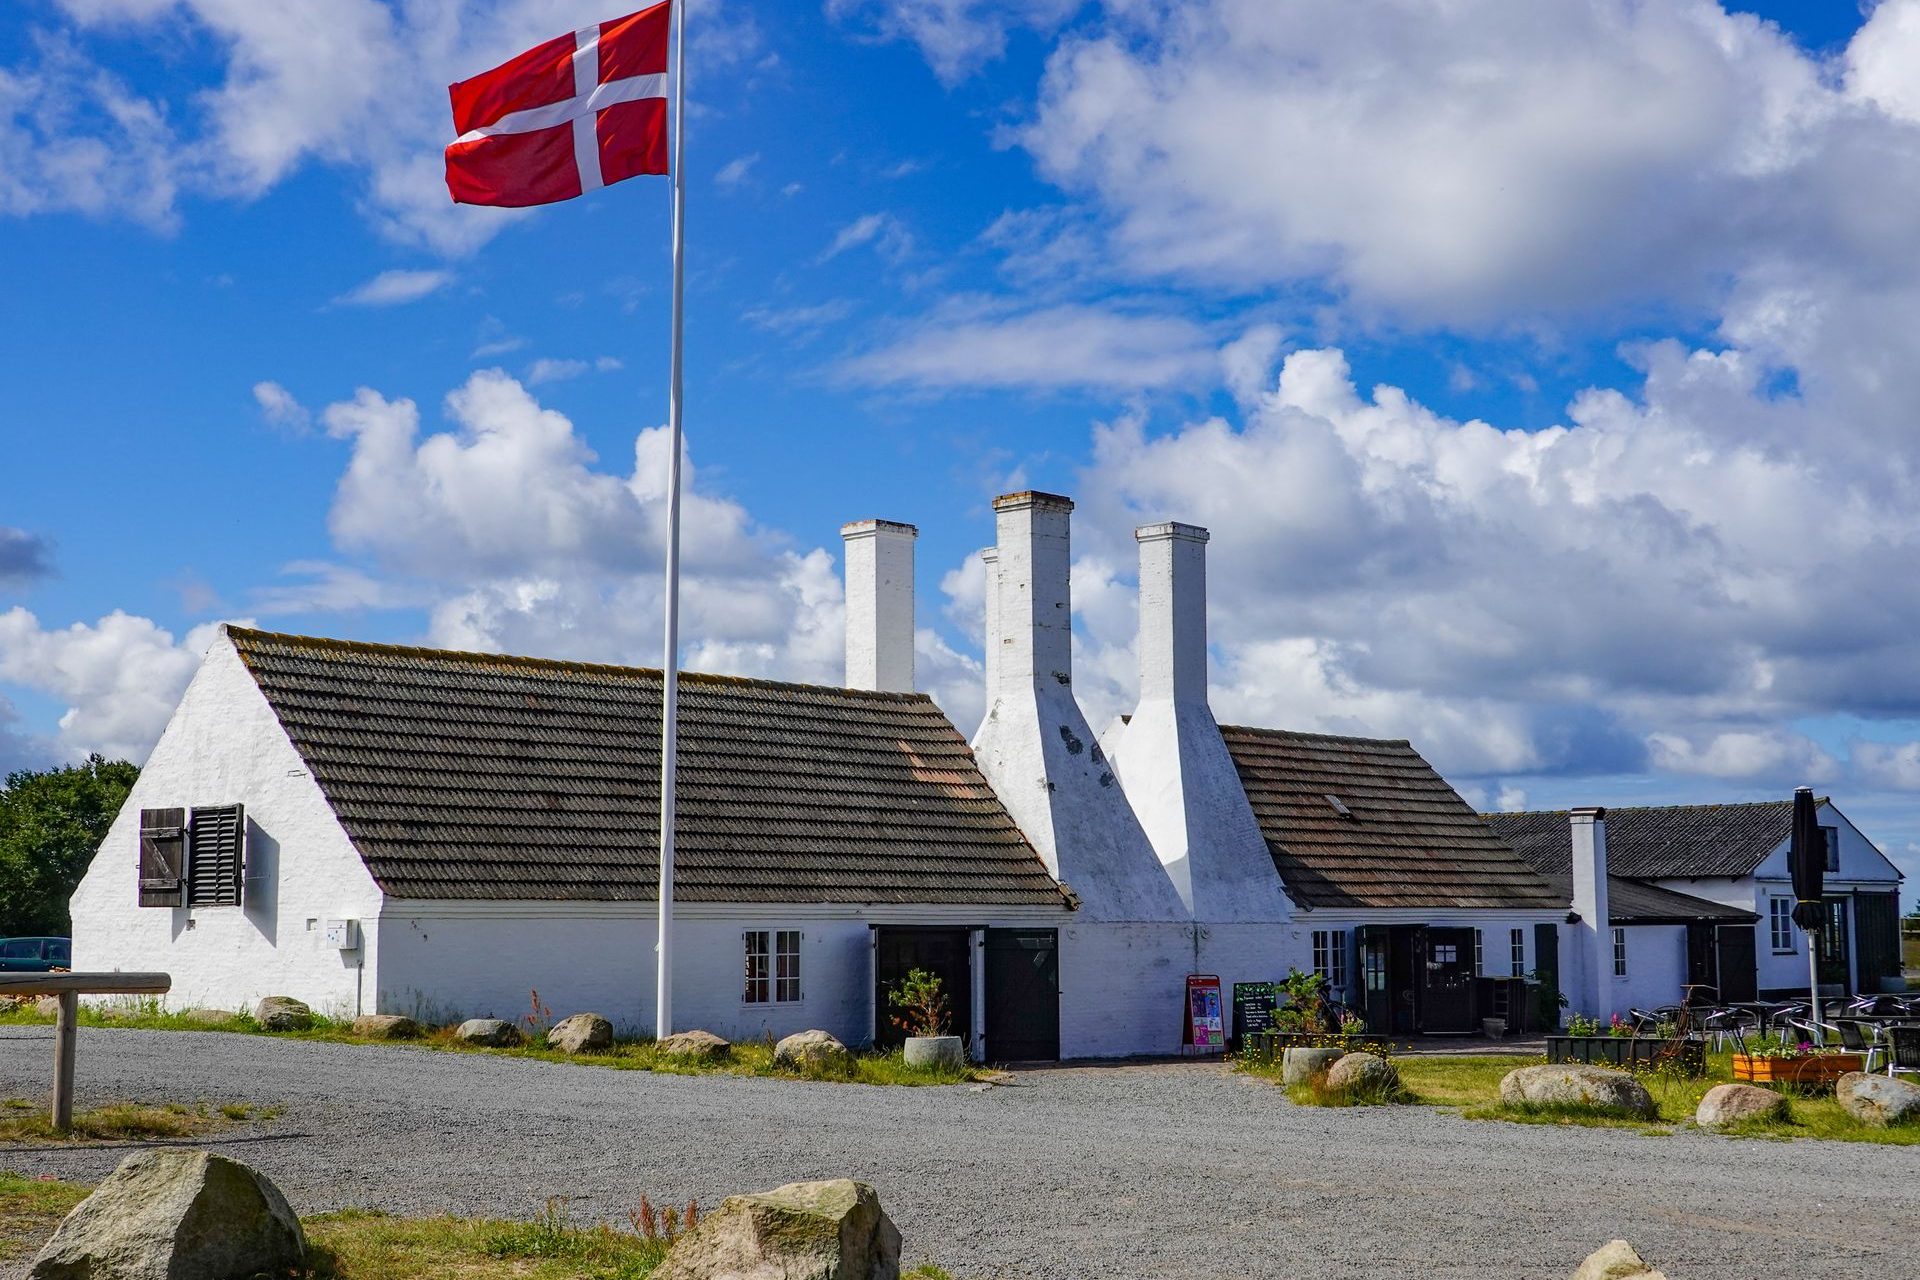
(1643, 1020)
(1810, 1031)
(1865, 1040)
(1731, 1026)
(1903, 1050)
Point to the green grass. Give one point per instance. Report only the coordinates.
(30, 1208)
(28, 1121)
(749, 1059)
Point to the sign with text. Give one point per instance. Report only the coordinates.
(1206, 1020)
(1254, 1004)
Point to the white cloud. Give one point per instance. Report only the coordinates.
(735, 171)
(887, 235)
(551, 370)
(957, 36)
(24, 556)
(393, 288)
(279, 407)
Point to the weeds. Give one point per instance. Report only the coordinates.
(23, 1121)
(666, 1225)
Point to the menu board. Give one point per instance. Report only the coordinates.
(1206, 1021)
(1254, 1007)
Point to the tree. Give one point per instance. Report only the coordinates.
(51, 822)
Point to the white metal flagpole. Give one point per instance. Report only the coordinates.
(670, 674)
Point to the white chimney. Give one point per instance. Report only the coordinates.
(1170, 756)
(990, 643)
(1593, 935)
(1035, 746)
(880, 605)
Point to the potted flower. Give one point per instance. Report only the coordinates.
(920, 1007)
(1617, 1043)
(1777, 1059)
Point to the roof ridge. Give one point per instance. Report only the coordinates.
(374, 648)
(1651, 808)
(1257, 731)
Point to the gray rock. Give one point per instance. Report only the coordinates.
(808, 1048)
(491, 1032)
(581, 1033)
(209, 1017)
(1366, 1073)
(1616, 1260)
(176, 1215)
(1298, 1066)
(934, 1051)
(1581, 1087)
(282, 1013)
(386, 1026)
(698, 1046)
(803, 1231)
(1878, 1099)
(1728, 1103)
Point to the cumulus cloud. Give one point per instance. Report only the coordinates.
(393, 288)
(280, 408)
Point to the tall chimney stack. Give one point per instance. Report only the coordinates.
(990, 643)
(879, 569)
(1593, 936)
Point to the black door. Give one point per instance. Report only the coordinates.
(1446, 981)
(1703, 961)
(1739, 970)
(1374, 941)
(1835, 956)
(1877, 925)
(1023, 995)
(898, 950)
(1546, 965)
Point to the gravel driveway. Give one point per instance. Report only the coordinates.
(1135, 1171)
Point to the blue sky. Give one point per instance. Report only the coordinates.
(1630, 520)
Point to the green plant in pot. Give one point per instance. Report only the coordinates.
(919, 1002)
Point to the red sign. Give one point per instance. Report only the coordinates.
(1206, 1028)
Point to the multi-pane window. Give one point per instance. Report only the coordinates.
(1479, 952)
(773, 966)
(1780, 924)
(1619, 953)
(1517, 952)
(1330, 956)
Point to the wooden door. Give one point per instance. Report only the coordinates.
(1446, 981)
(1023, 995)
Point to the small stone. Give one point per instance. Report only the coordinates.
(1586, 1088)
(176, 1215)
(1616, 1260)
(208, 1017)
(581, 1033)
(807, 1049)
(1299, 1066)
(491, 1032)
(1367, 1073)
(696, 1046)
(832, 1230)
(47, 1006)
(1878, 1100)
(282, 1013)
(1728, 1103)
(386, 1026)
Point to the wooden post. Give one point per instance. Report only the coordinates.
(63, 1044)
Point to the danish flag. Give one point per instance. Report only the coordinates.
(565, 117)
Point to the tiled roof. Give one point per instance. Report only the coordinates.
(1406, 838)
(462, 775)
(1638, 902)
(1660, 843)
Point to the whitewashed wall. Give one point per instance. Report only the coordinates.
(224, 746)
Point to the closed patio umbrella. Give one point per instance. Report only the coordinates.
(1807, 861)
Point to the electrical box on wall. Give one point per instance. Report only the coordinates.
(341, 935)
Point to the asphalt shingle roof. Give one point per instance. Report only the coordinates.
(461, 775)
(1668, 842)
(1407, 839)
(1638, 902)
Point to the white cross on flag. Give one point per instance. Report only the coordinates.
(565, 117)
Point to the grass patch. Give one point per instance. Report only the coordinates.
(30, 1208)
(24, 1121)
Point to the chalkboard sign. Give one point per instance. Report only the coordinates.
(1254, 1004)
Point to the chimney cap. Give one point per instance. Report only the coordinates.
(1591, 813)
(860, 528)
(1032, 498)
(990, 554)
(1170, 529)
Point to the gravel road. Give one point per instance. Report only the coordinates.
(1092, 1172)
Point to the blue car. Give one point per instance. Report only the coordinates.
(35, 955)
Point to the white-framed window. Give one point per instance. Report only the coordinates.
(1479, 952)
(1619, 953)
(1517, 951)
(1780, 924)
(1330, 957)
(1832, 837)
(773, 966)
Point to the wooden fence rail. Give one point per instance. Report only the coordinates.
(69, 987)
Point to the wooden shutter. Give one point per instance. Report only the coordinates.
(216, 859)
(163, 856)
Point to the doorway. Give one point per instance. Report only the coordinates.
(1833, 949)
(1446, 981)
(900, 949)
(1023, 995)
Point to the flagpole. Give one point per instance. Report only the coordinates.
(670, 674)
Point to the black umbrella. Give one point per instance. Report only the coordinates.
(1807, 860)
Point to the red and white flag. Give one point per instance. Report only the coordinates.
(565, 117)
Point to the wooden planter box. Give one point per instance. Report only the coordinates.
(1625, 1052)
(1267, 1046)
(1818, 1072)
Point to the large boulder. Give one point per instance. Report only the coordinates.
(695, 1046)
(1300, 1066)
(491, 1032)
(1577, 1087)
(805, 1049)
(176, 1215)
(1878, 1099)
(803, 1231)
(1367, 1074)
(581, 1033)
(1726, 1104)
(1616, 1260)
(386, 1026)
(282, 1013)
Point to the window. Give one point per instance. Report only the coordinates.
(216, 855)
(1832, 836)
(1517, 951)
(21, 949)
(1619, 953)
(1330, 956)
(1780, 924)
(773, 966)
(1479, 952)
(1446, 953)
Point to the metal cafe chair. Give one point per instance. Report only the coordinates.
(1903, 1050)
(1813, 1032)
(1731, 1026)
(1865, 1040)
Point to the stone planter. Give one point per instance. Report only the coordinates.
(1819, 1071)
(1626, 1051)
(935, 1051)
(1495, 1028)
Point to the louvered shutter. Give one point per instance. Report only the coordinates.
(216, 859)
(163, 856)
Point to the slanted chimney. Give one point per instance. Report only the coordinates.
(879, 605)
(1593, 935)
